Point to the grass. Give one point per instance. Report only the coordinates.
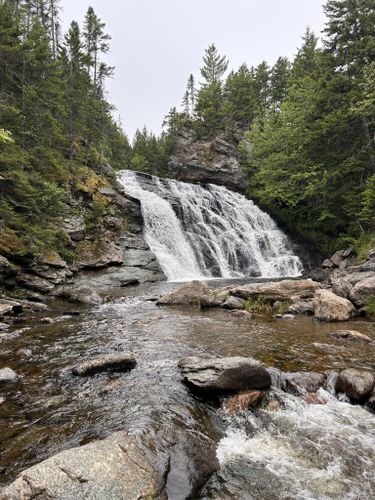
(258, 305)
(370, 307)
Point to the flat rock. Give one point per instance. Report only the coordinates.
(7, 375)
(233, 303)
(112, 362)
(35, 283)
(189, 294)
(113, 468)
(241, 314)
(356, 384)
(350, 335)
(82, 293)
(3, 327)
(331, 307)
(231, 374)
(98, 254)
(362, 291)
(278, 290)
(300, 383)
(9, 307)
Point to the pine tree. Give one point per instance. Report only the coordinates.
(214, 66)
(96, 43)
(279, 81)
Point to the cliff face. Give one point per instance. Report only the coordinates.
(206, 161)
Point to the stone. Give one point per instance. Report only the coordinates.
(328, 264)
(350, 335)
(343, 282)
(3, 327)
(189, 294)
(231, 374)
(118, 362)
(278, 290)
(233, 303)
(35, 283)
(356, 384)
(113, 468)
(2, 400)
(315, 398)
(47, 321)
(30, 305)
(98, 254)
(213, 298)
(337, 258)
(7, 375)
(362, 291)
(23, 353)
(54, 275)
(370, 404)
(273, 405)
(53, 259)
(300, 383)
(242, 401)
(81, 293)
(371, 254)
(75, 227)
(241, 314)
(7, 268)
(302, 306)
(9, 307)
(331, 307)
(288, 316)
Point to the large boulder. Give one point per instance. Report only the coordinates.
(35, 283)
(343, 282)
(301, 306)
(113, 468)
(117, 362)
(189, 294)
(278, 290)
(7, 375)
(331, 307)
(362, 291)
(300, 383)
(84, 294)
(231, 374)
(356, 384)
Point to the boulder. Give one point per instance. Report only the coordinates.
(241, 314)
(328, 264)
(35, 283)
(302, 306)
(98, 254)
(371, 402)
(278, 290)
(7, 268)
(113, 468)
(9, 307)
(2, 400)
(350, 335)
(190, 294)
(356, 384)
(75, 227)
(331, 307)
(3, 327)
(53, 259)
(316, 398)
(337, 258)
(118, 362)
(300, 383)
(7, 375)
(233, 303)
(362, 291)
(371, 254)
(230, 374)
(343, 282)
(81, 293)
(242, 401)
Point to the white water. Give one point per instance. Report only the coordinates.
(209, 232)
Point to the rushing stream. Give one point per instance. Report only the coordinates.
(209, 232)
(299, 451)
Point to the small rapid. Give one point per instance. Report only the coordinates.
(209, 232)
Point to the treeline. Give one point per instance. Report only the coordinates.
(311, 122)
(55, 123)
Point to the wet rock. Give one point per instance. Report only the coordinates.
(117, 362)
(35, 283)
(213, 298)
(28, 305)
(47, 321)
(55, 276)
(328, 264)
(2, 400)
(242, 401)
(3, 327)
(9, 307)
(113, 468)
(288, 316)
(7, 375)
(230, 374)
(233, 303)
(273, 405)
(281, 290)
(356, 384)
(23, 353)
(98, 254)
(189, 294)
(7, 268)
(316, 398)
(83, 294)
(53, 259)
(300, 383)
(302, 306)
(331, 307)
(242, 315)
(370, 405)
(362, 291)
(350, 335)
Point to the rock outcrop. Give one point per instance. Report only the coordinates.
(207, 161)
(356, 384)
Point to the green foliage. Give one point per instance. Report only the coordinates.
(370, 307)
(258, 305)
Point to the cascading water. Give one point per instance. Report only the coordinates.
(209, 232)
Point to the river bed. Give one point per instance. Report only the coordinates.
(300, 451)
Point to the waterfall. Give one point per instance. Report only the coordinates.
(208, 232)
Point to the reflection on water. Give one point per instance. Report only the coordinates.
(49, 410)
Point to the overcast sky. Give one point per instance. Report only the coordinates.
(156, 44)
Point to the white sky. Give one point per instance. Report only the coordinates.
(156, 44)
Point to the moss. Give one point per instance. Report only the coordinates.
(258, 305)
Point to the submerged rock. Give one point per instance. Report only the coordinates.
(7, 375)
(230, 374)
(300, 383)
(242, 401)
(331, 307)
(350, 335)
(356, 384)
(118, 362)
(113, 468)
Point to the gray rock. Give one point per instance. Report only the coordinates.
(337, 258)
(362, 291)
(230, 374)
(118, 362)
(35, 283)
(75, 227)
(288, 316)
(113, 468)
(233, 303)
(279, 290)
(9, 307)
(371, 402)
(302, 306)
(3, 327)
(98, 254)
(356, 384)
(7, 268)
(241, 315)
(300, 383)
(81, 293)
(328, 264)
(190, 294)
(371, 254)
(2, 400)
(350, 335)
(331, 307)
(7, 375)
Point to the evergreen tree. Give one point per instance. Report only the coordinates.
(214, 66)
(279, 81)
